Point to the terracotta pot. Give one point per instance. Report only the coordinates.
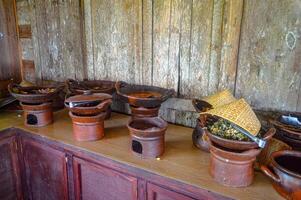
(142, 95)
(88, 128)
(285, 173)
(233, 144)
(199, 138)
(147, 136)
(294, 143)
(232, 168)
(88, 104)
(144, 112)
(37, 115)
(32, 97)
(96, 86)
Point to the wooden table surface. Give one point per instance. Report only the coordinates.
(181, 160)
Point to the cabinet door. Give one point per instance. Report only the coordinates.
(93, 182)
(9, 170)
(45, 171)
(155, 192)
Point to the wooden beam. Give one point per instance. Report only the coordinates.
(25, 31)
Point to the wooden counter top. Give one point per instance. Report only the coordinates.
(181, 160)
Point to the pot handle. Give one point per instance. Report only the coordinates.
(104, 104)
(269, 134)
(270, 174)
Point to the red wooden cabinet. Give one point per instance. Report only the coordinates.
(94, 181)
(9, 169)
(45, 171)
(155, 192)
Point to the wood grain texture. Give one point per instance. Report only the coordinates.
(194, 75)
(24, 31)
(45, 171)
(9, 48)
(269, 71)
(28, 70)
(98, 182)
(117, 40)
(232, 16)
(8, 170)
(166, 42)
(57, 39)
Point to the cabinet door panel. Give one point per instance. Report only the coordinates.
(45, 171)
(9, 178)
(155, 192)
(94, 182)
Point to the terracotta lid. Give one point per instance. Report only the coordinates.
(87, 97)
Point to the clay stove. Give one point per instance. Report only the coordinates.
(95, 86)
(88, 112)
(147, 136)
(36, 103)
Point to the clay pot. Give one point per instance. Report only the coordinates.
(233, 144)
(285, 173)
(232, 168)
(95, 86)
(88, 128)
(31, 97)
(144, 112)
(142, 95)
(37, 115)
(147, 136)
(199, 137)
(294, 143)
(88, 104)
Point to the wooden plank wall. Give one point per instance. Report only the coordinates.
(196, 47)
(57, 39)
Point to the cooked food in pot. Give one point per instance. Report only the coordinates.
(224, 129)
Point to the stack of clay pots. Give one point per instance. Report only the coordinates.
(88, 112)
(147, 130)
(231, 161)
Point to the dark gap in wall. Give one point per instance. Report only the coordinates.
(238, 48)
(152, 72)
(169, 31)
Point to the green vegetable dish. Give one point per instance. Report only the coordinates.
(224, 129)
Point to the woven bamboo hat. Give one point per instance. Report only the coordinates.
(240, 113)
(220, 98)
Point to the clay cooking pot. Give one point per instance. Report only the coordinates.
(285, 172)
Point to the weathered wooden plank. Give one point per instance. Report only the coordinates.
(232, 17)
(117, 39)
(23, 12)
(26, 49)
(166, 44)
(194, 76)
(28, 70)
(56, 37)
(88, 39)
(70, 37)
(215, 50)
(24, 31)
(269, 71)
(147, 41)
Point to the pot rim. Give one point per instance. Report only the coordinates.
(145, 119)
(282, 153)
